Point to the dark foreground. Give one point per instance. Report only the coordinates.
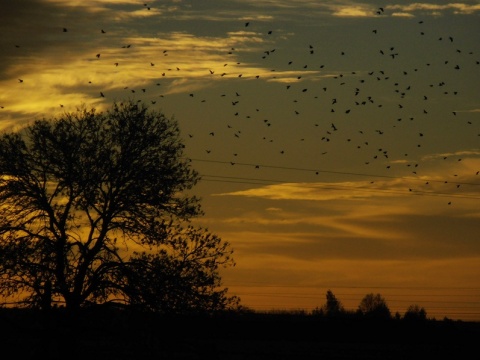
(106, 336)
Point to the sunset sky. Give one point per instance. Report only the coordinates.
(338, 141)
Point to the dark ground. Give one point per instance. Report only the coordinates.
(106, 336)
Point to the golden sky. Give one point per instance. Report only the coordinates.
(338, 141)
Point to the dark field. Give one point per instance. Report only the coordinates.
(113, 335)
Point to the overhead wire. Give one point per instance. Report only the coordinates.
(332, 172)
(330, 186)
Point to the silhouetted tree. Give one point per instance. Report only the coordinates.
(332, 307)
(415, 313)
(374, 306)
(95, 207)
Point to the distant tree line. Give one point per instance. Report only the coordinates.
(372, 306)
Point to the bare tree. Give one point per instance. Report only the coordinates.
(93, 206)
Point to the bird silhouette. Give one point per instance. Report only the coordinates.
(320, 97)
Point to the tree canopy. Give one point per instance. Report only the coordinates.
(96, 207)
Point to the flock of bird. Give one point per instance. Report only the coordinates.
(339, 111)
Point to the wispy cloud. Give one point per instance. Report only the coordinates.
(435, 9)
(361, 190)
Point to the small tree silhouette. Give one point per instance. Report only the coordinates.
(333, 307)
(415, 313)
(374, 306)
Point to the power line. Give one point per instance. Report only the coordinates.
(317, 171)
(330, 286)
(341, 298)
